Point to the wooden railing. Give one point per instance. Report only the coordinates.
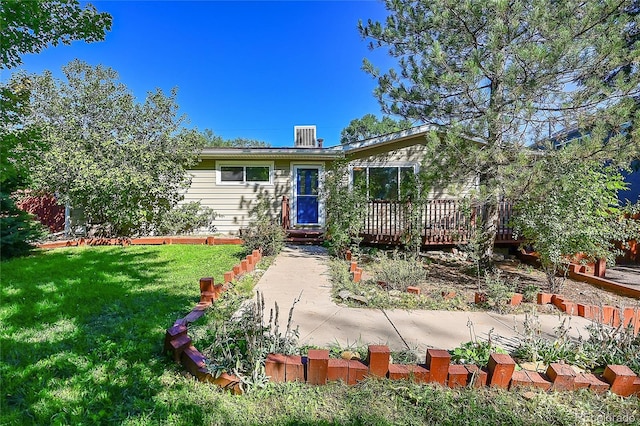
(285, 218)
(442, 222)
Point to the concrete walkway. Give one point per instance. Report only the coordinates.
(302, 272)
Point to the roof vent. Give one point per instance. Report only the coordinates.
(305, 136)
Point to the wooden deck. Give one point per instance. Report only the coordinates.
(443, 222)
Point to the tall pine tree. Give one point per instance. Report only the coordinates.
(497, 75)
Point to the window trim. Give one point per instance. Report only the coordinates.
(398, 165)
(244, 165)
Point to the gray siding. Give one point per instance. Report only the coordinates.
(234, 202)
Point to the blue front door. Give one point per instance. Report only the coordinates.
(306, 196)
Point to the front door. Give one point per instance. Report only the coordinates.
(306, 195)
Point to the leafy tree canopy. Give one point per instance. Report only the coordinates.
(30, 26)
(508, 73)
(210, 139)
(123, 162)
(572, 208)
(370, 126)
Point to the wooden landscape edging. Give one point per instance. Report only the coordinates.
(317, 368)
(177, 341)
(501, 372)
(193, 240)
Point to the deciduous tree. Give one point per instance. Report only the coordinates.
(210, 139)
(28, 27)
(573, 208)
(122, 162)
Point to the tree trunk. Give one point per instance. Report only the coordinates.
(487, 234)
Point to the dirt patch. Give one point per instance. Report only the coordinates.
(446, 273)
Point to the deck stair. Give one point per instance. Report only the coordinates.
(305, 236)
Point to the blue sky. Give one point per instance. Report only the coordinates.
(243, 69)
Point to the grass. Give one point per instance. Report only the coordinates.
(81, 340)
(83, 328)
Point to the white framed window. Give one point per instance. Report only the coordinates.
(384, 181)
(244, 172)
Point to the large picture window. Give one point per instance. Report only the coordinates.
(244, 173)
(384, 183)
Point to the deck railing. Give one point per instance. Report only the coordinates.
(285, 218)
(442, 221)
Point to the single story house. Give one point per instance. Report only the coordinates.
(231, 180)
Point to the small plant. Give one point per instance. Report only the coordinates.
(399, 273)
(535, 348)
(499, 290)
(475, 351)
(263, 233)
(530, 292)
(241, 344)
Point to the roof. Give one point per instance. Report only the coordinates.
(329, 153)
(388, 138)
(273, 153)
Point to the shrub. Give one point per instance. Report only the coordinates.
(263, 232)
(608, 345)
(530, 292)
(267, 236)
(187, 218)
(345, 210)
(399, 273)
(18, 229)
(499, 290)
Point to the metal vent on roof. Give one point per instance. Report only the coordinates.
(305, 137)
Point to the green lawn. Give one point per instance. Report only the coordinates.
(81, 336)
(82, 328)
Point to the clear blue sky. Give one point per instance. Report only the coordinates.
(243, 69)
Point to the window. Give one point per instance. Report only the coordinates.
(244, 173)
(385, 183)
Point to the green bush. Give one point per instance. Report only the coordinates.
(263, 232)
(530, 292)
(267, 236)
(499, 290)
(187, 218)
(399, 273)
(18, 229)
(345, 210)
